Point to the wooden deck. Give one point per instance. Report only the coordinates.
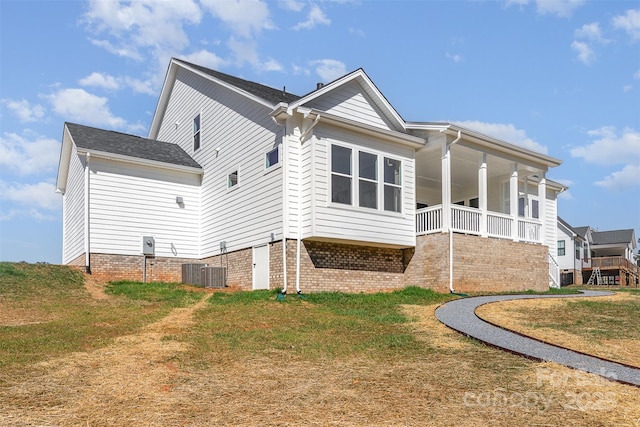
(626, 272)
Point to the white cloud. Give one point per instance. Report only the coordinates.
(315, 17)
(590, 32)
(34, 197)
(206, 59)
(610, 148)
(505, 132)
(244, 51)
(24, 111)
(629, 176)
(244, 17)
(329, 69)
(28, 156)
(560, 8)
(566, 195)
(454, 57)
(636, 75)
(104, 81)
(144, 23)
(357, 31)
(627, 88)
(586, 55)
(292, 5)
(629, 22)
(271, 65)
(84, 107)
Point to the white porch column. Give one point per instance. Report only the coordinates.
(482, 194)
(513, 201)
(446, 187)
(542, 202)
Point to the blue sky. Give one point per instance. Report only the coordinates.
(559, 76)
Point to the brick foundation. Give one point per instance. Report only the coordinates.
(479, 265)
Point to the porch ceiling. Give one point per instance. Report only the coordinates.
(465, 163)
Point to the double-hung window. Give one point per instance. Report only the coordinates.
(376, 185)
(392, 185)
(196, 132)
(341, 174)
(368, 180)
(561, 248)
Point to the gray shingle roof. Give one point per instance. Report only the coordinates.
(124, 144)
(614, 236)
(267, 93)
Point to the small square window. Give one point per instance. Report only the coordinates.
(232, 179)
(273, 158)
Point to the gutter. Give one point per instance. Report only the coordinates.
(87, 227)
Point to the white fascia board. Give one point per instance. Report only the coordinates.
(161, 107)
(389, 135)
(138, 161)
(487, 141)
(64, 161)
(370, 88)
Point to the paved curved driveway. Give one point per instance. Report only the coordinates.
(460, 315)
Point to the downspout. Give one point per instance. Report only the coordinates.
(284, 207)
(451, 290)
(87, 228)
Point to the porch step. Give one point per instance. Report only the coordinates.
(595, 276)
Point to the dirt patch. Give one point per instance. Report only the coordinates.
(95, 287)
(518, 316)
(10, 315)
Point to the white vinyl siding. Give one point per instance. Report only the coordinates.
(238, 134)
(131, 201)
(74, 199)
(328, 220)
(550, 222)
(349, 101)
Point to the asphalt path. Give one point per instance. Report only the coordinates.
(460, 315)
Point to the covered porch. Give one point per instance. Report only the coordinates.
(476, 185)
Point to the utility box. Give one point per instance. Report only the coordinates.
(148, 245)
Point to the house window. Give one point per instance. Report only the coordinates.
(232, 179)
(577, 253)
(368, 180)
(272, 158)
(561, 248)
(196, 132)
(535, 209)
(392, 185)
(341, 174)
(474, 203)
(377, 184)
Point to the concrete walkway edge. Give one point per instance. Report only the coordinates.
(460, 315)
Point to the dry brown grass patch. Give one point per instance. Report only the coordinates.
(519, 316)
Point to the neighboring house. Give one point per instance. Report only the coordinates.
(332, 190)
(585, 253)
(572, 247)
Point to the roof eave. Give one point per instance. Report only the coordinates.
(140, 161)
(488, 141)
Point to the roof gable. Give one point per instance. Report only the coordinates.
(353, 102)
(354, 96)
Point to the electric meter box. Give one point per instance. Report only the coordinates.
(148, 245)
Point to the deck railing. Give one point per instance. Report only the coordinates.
(608, 263)
(469, 220)
(554, 272)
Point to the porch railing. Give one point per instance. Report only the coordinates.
(611, 262)
(554, 272)
(429, 220)
(469, 220)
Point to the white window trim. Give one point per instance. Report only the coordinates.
(226, 176)
(193, 133)
(355, 178)
(275, 166)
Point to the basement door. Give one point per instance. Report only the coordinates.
(261, 267)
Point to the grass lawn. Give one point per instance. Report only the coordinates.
(161, 354)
